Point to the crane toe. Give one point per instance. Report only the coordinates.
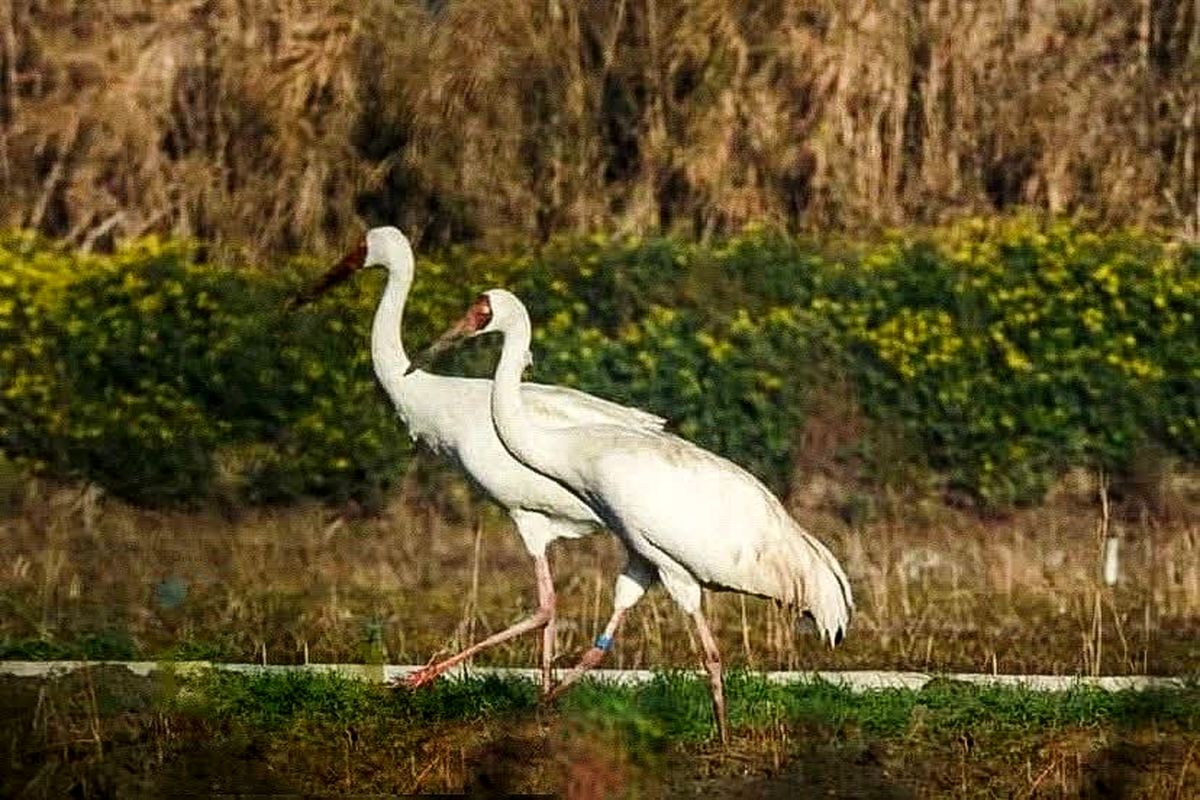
(589, 660)
(415, 680)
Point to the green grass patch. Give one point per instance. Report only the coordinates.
(301, 733)
(675, 706)
(271, 700)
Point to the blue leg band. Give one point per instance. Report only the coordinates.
(604, 642)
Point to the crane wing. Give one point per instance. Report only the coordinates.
(562, 407)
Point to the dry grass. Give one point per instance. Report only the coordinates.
(936, 589)
(284, 125)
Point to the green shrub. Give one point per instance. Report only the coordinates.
(148, 374)
(999, 352)
(1013, 350)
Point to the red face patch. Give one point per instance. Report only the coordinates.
(478, 315)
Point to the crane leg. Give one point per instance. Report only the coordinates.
(546, 599)
(542, 618)
(712, 662)
(593, 656)
(637, 576)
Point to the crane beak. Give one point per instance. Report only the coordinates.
(453, 336)
(352, 262)
(474, 322)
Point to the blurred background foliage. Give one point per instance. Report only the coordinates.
(985, 357)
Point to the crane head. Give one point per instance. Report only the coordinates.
(473, 323)
(349, 264)
(384, 246)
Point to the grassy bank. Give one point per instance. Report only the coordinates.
(104, 731)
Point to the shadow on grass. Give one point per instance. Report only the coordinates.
(816, 768)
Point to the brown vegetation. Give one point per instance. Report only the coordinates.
(284, 125)
(936, 589)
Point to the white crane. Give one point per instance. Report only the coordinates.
(689, 518)
(451, 415)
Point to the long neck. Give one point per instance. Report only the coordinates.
(387, 344)
(531, 444)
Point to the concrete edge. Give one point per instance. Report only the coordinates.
(855, 680)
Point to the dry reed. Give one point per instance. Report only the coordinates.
(286, 125)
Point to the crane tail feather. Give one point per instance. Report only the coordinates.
(805, 575)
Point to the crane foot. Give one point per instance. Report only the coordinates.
(415, 680)
(590, 659)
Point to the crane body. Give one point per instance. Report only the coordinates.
(687, 517)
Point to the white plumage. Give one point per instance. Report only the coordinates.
(688, 517)
(706, 515)
(451, 415)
